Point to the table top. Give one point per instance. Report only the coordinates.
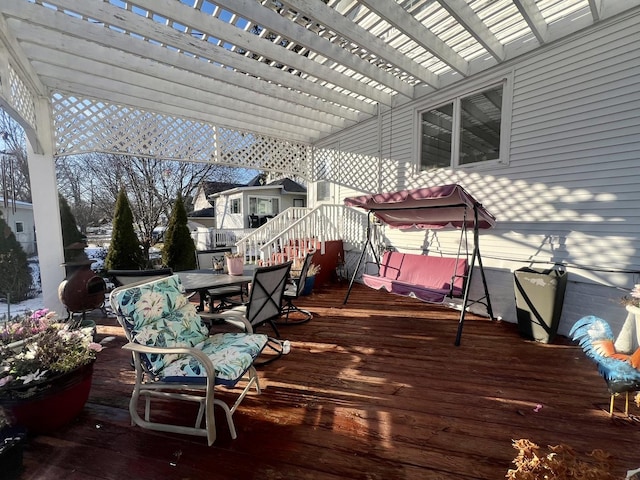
(193, 280)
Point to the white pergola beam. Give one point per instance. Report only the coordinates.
(331, 19)
(394, 14)
(219, 29)
(261, 78)
(175, 97)
(142, 71)
(274, 22)
(531, 14)
(466, 17)
(596, 9)
(17, 56)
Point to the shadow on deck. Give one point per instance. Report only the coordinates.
(375, 389)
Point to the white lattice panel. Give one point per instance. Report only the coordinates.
(263, 153)
(346, 167)
(88, 125)
(21, 97)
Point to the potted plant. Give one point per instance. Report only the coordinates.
(628, 339)
(311, 279)
(11, 447)
(46, 367)
(561, 462)
(235, 263)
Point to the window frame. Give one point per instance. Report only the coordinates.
(235, 202)
(455, 96)
(269, 198)
(19, 226)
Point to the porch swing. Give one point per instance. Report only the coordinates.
(429, 278)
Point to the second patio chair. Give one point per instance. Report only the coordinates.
(265, 300)
(176, 358)
(263, 307)
(292, 314)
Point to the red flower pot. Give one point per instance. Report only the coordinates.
(46, 406)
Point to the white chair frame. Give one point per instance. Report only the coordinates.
(149, 387)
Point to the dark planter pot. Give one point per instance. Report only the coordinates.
(539, 298)
(11, 451)
(308, 285)
(45, 406)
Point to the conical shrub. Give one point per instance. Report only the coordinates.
(179, 251)
(125, 252)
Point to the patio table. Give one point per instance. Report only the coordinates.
(203, 280)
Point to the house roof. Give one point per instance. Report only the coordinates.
(295, 70)
(18, 204)
(215, 187)
(288, 186)
(203, 213)
(285, 184)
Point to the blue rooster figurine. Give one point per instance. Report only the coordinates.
(620, 370)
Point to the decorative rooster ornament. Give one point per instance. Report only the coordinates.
(620, 370)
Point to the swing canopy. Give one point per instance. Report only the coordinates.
(427, 208)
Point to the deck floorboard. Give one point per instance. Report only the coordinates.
(374, 389)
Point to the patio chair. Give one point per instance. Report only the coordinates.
(265, 299)
(263, 307)
(176, 358)
(126, 277)
(254, 221)
(292, 292)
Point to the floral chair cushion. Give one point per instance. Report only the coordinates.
(231, 353)
(158, 314)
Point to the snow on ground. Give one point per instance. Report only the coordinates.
(28, 305)
(36, 302)
(93, 251)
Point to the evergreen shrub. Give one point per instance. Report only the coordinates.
(179, 251)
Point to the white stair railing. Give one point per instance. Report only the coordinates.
(298, 230)
(292, 233)
(251, 243)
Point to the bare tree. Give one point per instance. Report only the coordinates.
(93, 182)
(14, 170)
(80, 191)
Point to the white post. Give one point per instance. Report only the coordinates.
(46, 211)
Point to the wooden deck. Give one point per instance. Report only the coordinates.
(375, 389)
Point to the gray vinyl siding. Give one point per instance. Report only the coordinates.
(570, 192)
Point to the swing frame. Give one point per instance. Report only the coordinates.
(442, 206)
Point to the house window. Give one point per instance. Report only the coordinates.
(264, 206)
(464, 131)
(19, 227)
(322, 190)
(235, 205)
(299, 202)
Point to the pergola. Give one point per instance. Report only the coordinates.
(241, 82)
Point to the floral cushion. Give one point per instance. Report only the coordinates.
(231, 354)
(158, 314)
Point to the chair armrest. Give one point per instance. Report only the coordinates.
(236, 319)
(198, 354)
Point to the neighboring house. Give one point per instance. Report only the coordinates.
(19, 217)
(203, 208)
(549, 143)
(251, 205)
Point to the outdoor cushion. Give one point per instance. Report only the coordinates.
(422, 276)
(158, 314)
(231, 353)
